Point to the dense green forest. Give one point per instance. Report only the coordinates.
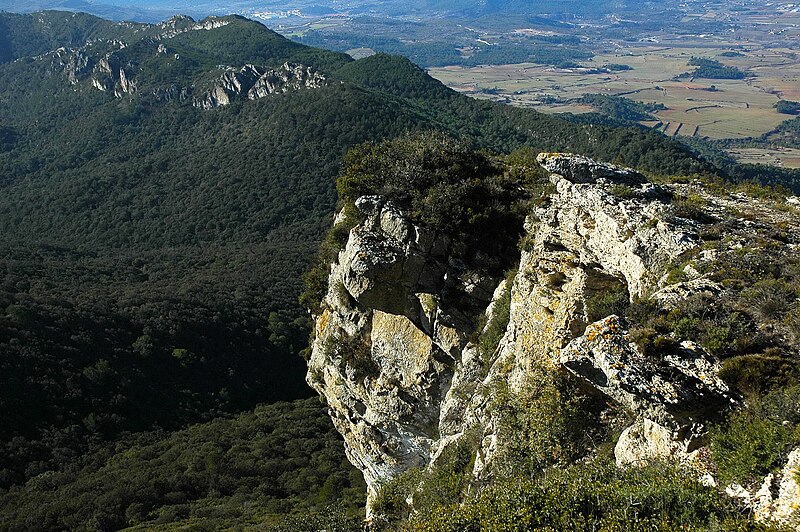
(787, 134)
(621, 108)
(788, 107)
(281, 466)
(555, 50)
(152, 252)
(713, 69)
(26, 35)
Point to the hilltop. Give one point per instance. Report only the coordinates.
(568, 345)
(163, 189)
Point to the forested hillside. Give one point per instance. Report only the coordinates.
(152, 251)
(29, 35)
(250, 470)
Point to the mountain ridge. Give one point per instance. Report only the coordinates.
(153, 251)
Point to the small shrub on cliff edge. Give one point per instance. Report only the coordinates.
(611, 299)
(315, 280)
(548, 421)
(356, 352)
(493, 332)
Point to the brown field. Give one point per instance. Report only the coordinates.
(737, 109)
(785, 157)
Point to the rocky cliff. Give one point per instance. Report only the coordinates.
(252, 82)
(149, 64)
(400, 350)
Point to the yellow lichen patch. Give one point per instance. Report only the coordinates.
(323, 321)
(448, 338)
(593, 332)
(399, 343)
(428, 302)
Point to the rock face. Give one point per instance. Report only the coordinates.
(394, 352)
(671, 395)
(252, 82)
(107, 66)
(388, 343)
(109, 75)
(661, 389)
(778, 499)
(182, 24)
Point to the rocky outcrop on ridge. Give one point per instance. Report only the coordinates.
(396, 357)
(252, 82)
(110, 66)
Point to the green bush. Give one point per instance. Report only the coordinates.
(441, 182)
(256, 469)
(651, 343)
(356, 352)
(390, 507)
(787, 107)
(315, 280)
(548, 421)
(711, 322)
(613, 299)
(496, 328)
(334, 518)
(757, 374)
(692, 207)
(592, 496)
(622, 191)
(748, 446)
(771, 298)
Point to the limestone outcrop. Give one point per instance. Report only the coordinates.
(396, 352)
(389, 341)
(776, 500)
(671, 396)
(110, 66)
(251, 83)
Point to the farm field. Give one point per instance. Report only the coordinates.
(785, 157)
(718, 109)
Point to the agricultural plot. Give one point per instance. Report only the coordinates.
(719, 109)
(785, 157)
